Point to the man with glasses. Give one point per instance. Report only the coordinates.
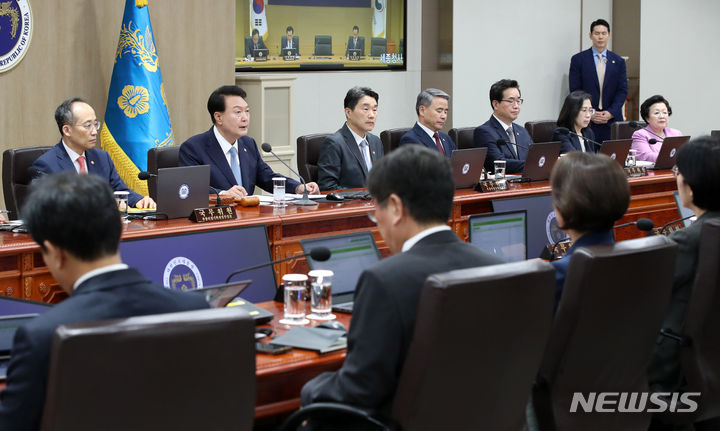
(412, 190)
(76, 150)
(504, 139)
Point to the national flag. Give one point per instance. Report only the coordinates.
(257, 17)
(380, 7)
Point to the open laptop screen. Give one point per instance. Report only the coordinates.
(351, 254)
(198, 259)
(684, 212)
(13, 306)
(501, 234)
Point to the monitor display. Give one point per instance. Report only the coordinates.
(13, 306)
(301, 35)
(198, 259)
(501, 234)
(542, 226)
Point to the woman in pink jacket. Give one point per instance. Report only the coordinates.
(656, 112)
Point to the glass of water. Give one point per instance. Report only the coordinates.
(295, 288)
(279, 192)
(121, 199)
(499, 170)
(321, 294)
(631, 160)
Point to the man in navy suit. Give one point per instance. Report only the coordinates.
(355, 42)
(76, 150)
(255, 42)
(75, 221)
(347, 155)
(235, 163)
(504, 139)
(586, 69)
(432, 109)
(290, 42)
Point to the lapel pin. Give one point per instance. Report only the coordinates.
(92, 162)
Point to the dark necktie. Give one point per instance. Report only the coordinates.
(438, 144)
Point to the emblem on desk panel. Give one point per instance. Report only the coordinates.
(183, 191)
(466, 168)
(613, 156)
(181, 273)
(541, 162)
(16, 27)
(554, 234)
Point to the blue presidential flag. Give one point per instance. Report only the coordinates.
(136, 118)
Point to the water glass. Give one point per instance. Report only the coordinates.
(321, 294)
(295, 289)
(278, 191)
(121, 199)
(631, 160)
(500, 170)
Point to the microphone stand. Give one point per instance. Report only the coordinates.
(305, 200)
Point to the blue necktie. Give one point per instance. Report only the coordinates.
(235, 166)
(366, 154)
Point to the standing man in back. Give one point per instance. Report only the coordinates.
(601, 73)
(432, 110)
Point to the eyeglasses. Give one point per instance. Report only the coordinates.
(89, 125)
(675, 170)
(513, 101)
(590, 111)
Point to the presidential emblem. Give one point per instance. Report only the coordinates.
(466, 168)
(541, 162)
(181, 273)
(554, 234)
(613, 156)
(15, 32)
(672, 152)
(184, 191)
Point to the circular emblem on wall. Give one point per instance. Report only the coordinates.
(541, 162)
(181, 273)
(183, 191)
(613, 156)
(672, 152)
(465, 168)
(554, 233)
(16, 27)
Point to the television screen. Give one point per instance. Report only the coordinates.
(297, 35)
(199, 259)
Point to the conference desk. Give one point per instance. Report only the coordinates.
(23, 274)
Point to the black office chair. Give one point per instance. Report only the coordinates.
(391, 138)
(16, 178)
(715, 133)
(308, 151)
(623, 130)
(378, 46)
(323, 45)
(191, 370)
(477, 343)
(541, 131)
(463, 137)
(158, 158)
(612, 306)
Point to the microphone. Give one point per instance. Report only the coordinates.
(305, 200)
(145, 175)
(566, 131)
(319, 254)
(662, 230)
(503, 141)
(636, 125)
(218, 203)
(653, 141)
(35, 172)
(643, 224)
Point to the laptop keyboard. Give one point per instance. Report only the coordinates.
(344, 307)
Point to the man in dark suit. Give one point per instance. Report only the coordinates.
(504, 139)
(256, 42)
(76, 223)
(595, 65)
(290, 41)
(355, 42)
(347, 155)
(432, 109)
(413, 189)
(76, 150)
(235, 163)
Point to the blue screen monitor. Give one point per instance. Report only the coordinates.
(542, 226)
(199, 259)
(13, 306)
(502, 234)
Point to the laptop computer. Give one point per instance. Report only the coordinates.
(220, 295)
(181, 190)
(503, 234)
(467, 166)
(540, 160)
(668, 151)
(684, 212)
(351, 255)
(260, 54)
(8, 326)
(616, 149)
(289, 53)
(354, 54)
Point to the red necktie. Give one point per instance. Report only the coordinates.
(438, 144)
(83, 168)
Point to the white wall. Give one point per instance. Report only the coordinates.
(592, 10)
(680, 60)
(527, 40)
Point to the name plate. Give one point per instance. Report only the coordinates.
(491, 186)
(636, 171)
(289, 58)
(219, 213)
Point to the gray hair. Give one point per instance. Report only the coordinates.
(426, 97)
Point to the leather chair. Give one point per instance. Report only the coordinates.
(187, 370)
(623, 130)
(613, 303)
(308, 151)
(715, 133)
(16, 178)
(391, 138)
(463, 137)
(323, 45)
(541, 131)
(378, 46)
(158, 158)
(500, 315)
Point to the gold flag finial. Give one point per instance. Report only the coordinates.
(141, 3)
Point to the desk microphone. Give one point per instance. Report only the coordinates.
(653, 141)
(305, 200)
(566, 131)
(643, 224)
(663, 229)
(319, 254)
(145, 175)
(506, 142)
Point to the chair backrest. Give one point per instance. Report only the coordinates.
(308, 151)
(158, 158)
(541, 131)
(463, 137)
(187, 370)
(612, 306)
(715, 133)
(15, 176)
(391, 138)
(378, 46)
(623, 130)
(323, 45)
(501, 316)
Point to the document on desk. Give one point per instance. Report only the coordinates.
(289, 197)
(317, 339)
